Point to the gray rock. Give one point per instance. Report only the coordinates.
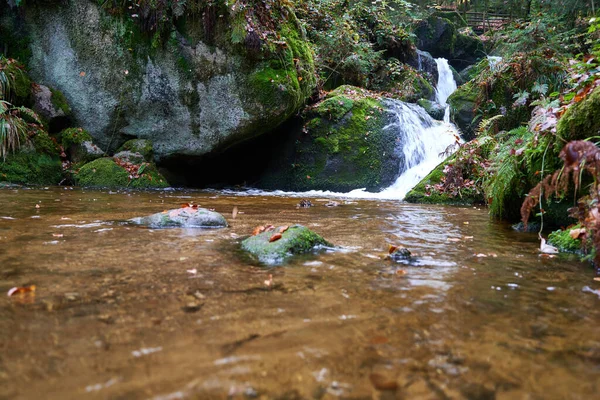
(423, 61)
(85, 152)
(47, 104)
(188, 97)
(188, 217)
(130, 157)
(296, 239)
(141, 146)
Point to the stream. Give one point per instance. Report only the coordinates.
(124, 311)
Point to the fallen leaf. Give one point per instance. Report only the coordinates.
(392, 248)
(21, 290)
(577, 233)
(192, 271)
(400, 272)
(234, 213)
(258, 230)
(58, 235)
(480, 255)
(275, 237)
(269, 282)
(381, 382)
(597, 279)
(37, 206)
(82, 74)
(283, 229)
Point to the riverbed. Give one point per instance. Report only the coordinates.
(122, 311)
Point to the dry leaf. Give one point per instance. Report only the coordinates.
(21, 290)
(269, 282)
(400, 272)
(258, 230)
(57, 235)
(234, 213)
(275, 237)
(392, 248)
(283, 229)
(82, 74)
(577, 233)
(37, 206)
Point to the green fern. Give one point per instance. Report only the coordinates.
(13, 129)
(486, 125)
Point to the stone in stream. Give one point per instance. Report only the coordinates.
(185, 217)
(274, 246)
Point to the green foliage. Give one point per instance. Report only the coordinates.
(564, 242)
(16, 124)
(71, 136)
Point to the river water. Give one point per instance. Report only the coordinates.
(125, 312)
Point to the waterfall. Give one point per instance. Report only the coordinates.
(425, 143)
(445, 86)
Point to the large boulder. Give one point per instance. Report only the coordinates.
(440, 37)
(209, 81)
(423, 61)
(275, 245)
(185, 217)
(342, 146)
(462, 107)
(581, 120)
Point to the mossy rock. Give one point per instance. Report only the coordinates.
(424, 192)
(106, 173)
(581, 120)
(435, 110)
(296, 239)
(31, 167)
(72, 136)
(342, 146)
(185, 217)
(141, 146)
(20, 83)
(563, 241)
(462, 107)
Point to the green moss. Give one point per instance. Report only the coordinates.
(104, 172)
(581, 120)
(29, 167)
(44, 144)
(142, 146)
(59, 101)
(296, 239)
(71, 136)
(335, 107)
(564, 242)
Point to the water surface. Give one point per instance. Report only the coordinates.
(127, 312)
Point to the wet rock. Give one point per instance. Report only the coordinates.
(435, 110)
(304, 204)
(400, 254)
(274, 246)
(423, 61)
(186, 217)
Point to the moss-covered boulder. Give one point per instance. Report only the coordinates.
(274, 246)
(201, 79)
(440, 37)
(341, 147)
(185, 217)
(35, 163)
(78, 146)
(462, 108)
(581, 120)
(106, 173)
(435, 110)
(140, 146)
(129, 157)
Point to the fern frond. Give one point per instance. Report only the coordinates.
(29, 115)
(486, 125)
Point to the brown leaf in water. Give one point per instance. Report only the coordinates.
(258, 230)
(275, 237)
(283, 228)
(400, 272)
(234, 213)
(392, 248)
(57, 235)
(269, 282)
(21, 290)
(381, 382)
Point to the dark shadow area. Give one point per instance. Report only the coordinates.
(240, 165)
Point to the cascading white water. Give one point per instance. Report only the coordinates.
(425, 143)
(446, 85)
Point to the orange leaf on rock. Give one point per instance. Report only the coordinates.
(392, 248)
(258, 230)
(275, 237)
(283, 229)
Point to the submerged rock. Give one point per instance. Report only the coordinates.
(275, 245)
(186, 217)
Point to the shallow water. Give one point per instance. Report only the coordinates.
(126, 312)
